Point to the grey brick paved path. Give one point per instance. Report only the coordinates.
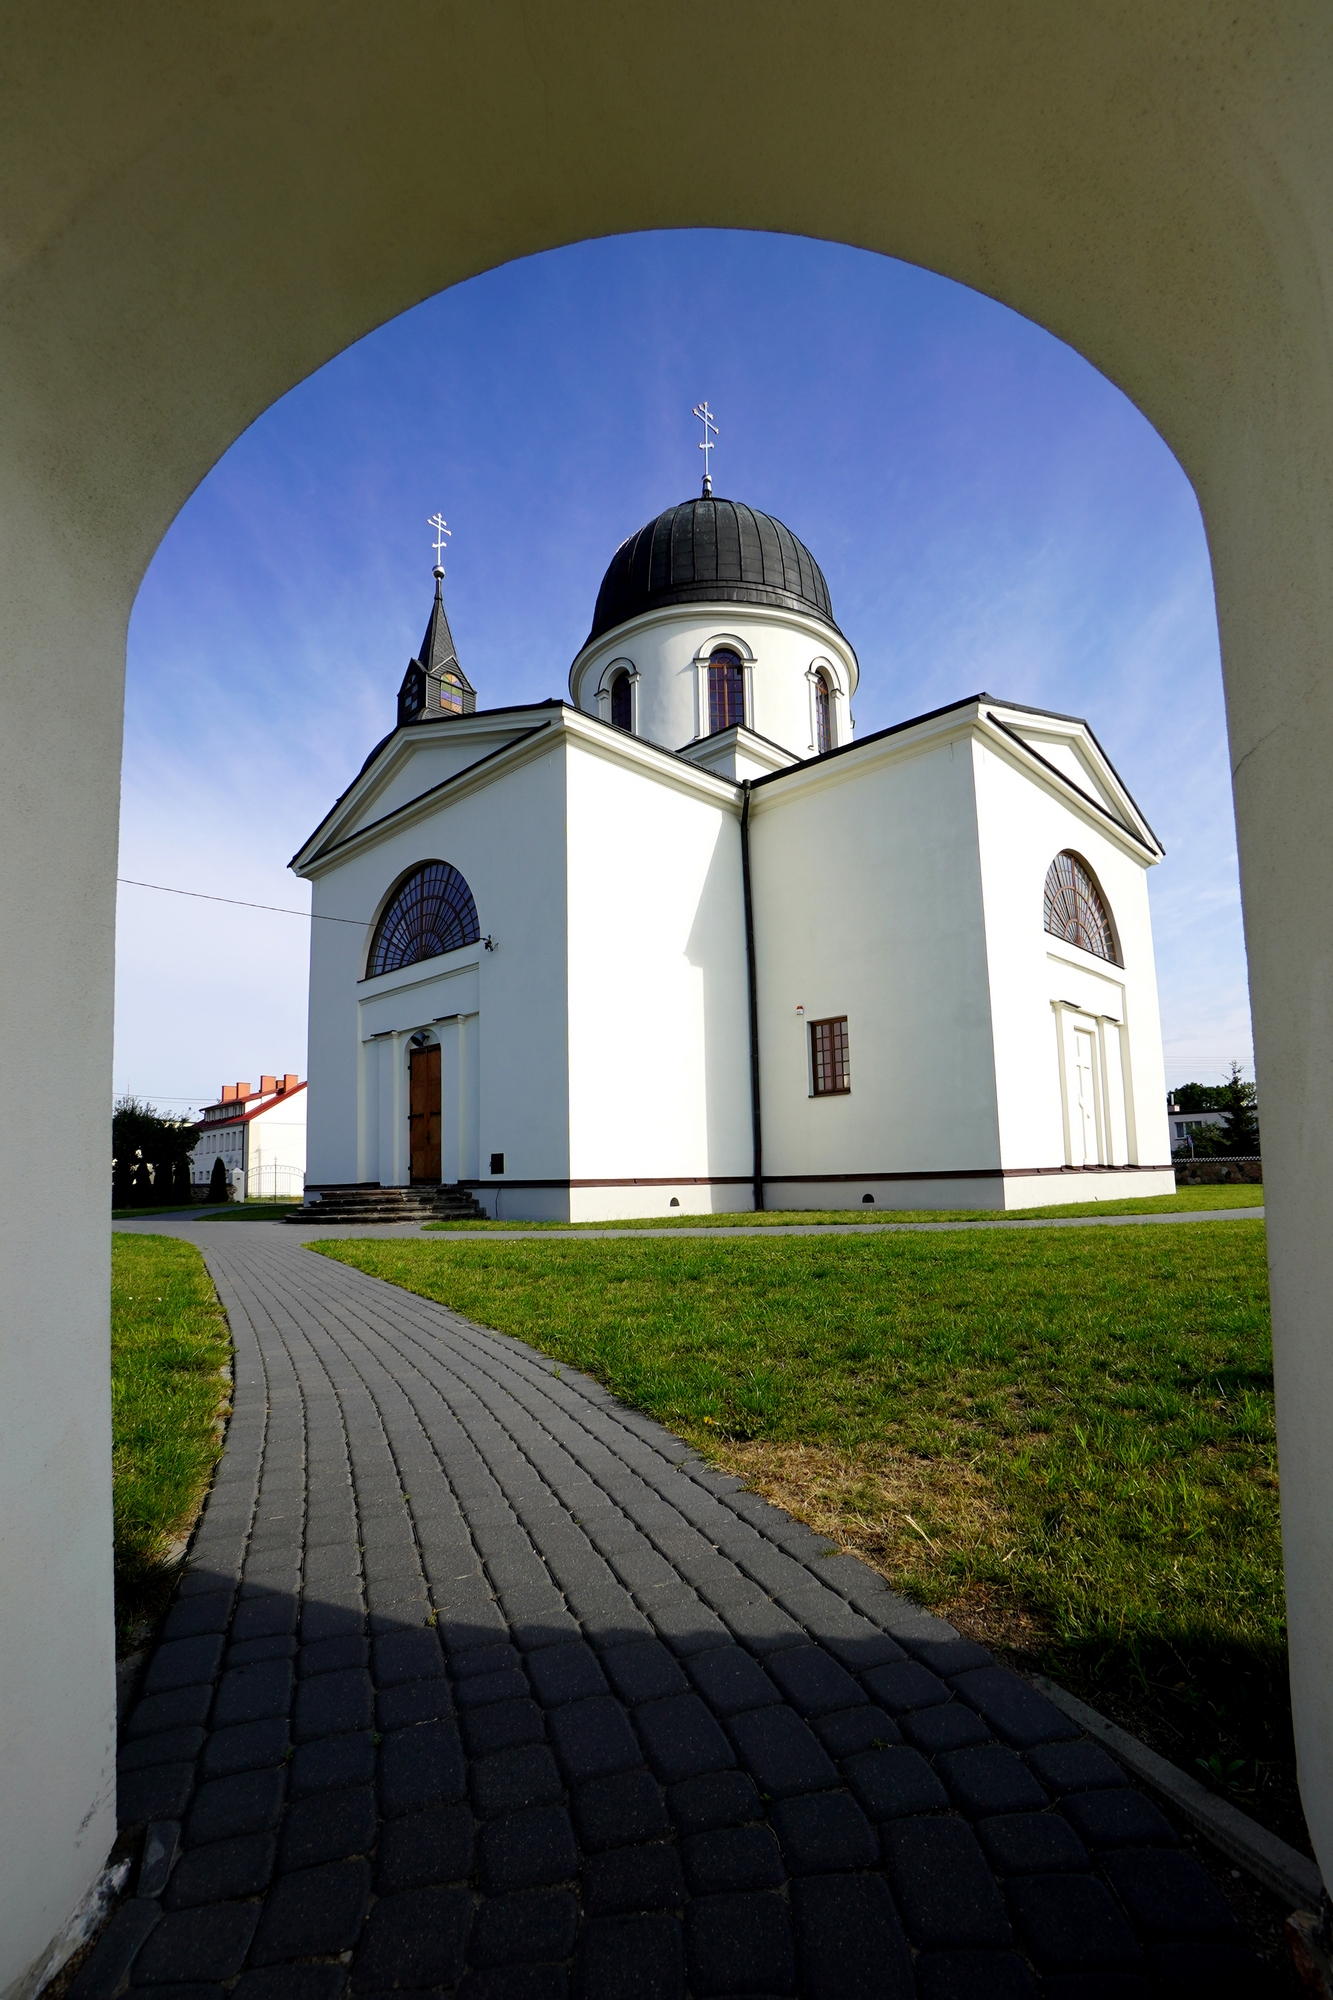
(479, 1681)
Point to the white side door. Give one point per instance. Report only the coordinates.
(1083, 1100)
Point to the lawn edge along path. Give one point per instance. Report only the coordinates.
(473, 1666)
(170, 1396)
(1129, 1365)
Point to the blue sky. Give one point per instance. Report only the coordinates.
(989, 512)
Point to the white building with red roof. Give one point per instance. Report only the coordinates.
(259, 1135)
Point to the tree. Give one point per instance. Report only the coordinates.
(217, 1181)
(1197, 1097)
(1240, 1128)
(1204, 1143)
(150, 1155)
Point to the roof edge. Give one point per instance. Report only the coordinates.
(406, 729)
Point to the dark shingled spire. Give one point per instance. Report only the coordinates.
(437, 648)
(435, 688)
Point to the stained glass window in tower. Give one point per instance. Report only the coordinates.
(431, 912)
(1074, 911)
(726, 690)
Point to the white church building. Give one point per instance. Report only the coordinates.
(684, 941)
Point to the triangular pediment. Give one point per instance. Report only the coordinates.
(411, 766)
(1068, 748)
(1069, 754)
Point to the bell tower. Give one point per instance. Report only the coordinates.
(435, 687)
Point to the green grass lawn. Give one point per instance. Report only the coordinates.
(169, 1347)
(1064, 1441)
(1180, 1203)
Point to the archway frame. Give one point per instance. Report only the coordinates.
(200, 212)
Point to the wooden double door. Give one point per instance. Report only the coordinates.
(424, 1113)
(444, 1104)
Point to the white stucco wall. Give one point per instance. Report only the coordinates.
(603, 1047)
(1042, 989)
(901, 886)
(275, 1146)
(867, 896)
(669, 649)
(605, 1038)
(507, 839)
(658, 1023)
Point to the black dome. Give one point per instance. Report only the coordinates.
(710, 552)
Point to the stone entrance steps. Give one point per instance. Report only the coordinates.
(365, 1201)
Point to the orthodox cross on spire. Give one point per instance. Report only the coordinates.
(705, 416)
(442, 534)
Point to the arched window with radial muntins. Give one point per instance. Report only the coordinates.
(429, 913)
(1074, 910)
(622, 707)
(726, 690)
(823, 715)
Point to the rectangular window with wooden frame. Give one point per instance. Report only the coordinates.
(830, 1063)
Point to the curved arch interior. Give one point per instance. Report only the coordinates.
(951, 145)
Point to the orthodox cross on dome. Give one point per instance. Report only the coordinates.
(705, 416)
(442, 534)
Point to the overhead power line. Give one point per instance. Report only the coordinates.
(163, 1096)
(278, 909)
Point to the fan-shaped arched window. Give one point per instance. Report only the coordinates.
(622, 706)
(1074, 910)
(726, 690)
(823, 715)
(430, 912)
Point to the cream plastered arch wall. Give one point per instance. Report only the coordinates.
(201, 205)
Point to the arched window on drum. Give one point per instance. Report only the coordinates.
(823, 713)
(430, 912)
(622, 701)
(1074, 910)
(726, 690)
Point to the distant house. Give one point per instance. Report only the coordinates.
(1184, 1125)
(259, 1135)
